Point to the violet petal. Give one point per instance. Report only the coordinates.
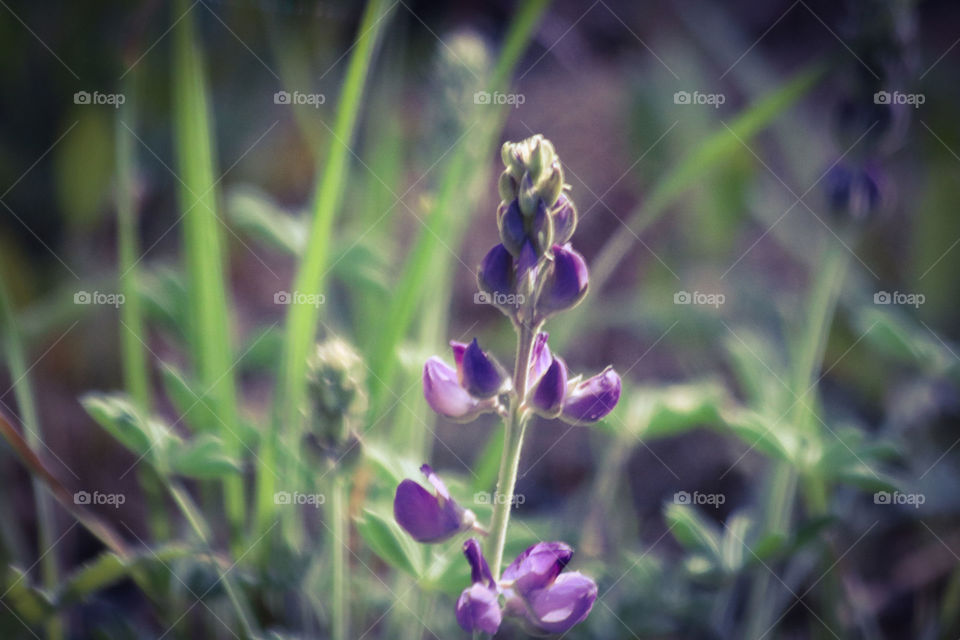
(593, 398)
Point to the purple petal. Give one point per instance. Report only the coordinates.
(435, 480)
(478, 609)
(564, 219)
(567, 281)
(565, 603)
(549, 394)
(458, 349)
(526, 262)
(482, 376)
(512, 232)
(540, 359)
(592, 399)
(445, 395)
(538, 566)
(479, 569)
(420, 514)
(495, 274)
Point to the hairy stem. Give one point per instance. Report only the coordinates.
(515, 425)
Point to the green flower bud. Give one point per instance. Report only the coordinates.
(551, 185)
(336, 391)
(507, 187)
(528, 196)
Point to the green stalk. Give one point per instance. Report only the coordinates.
(340, 538)
(133, 351)
(515, 426)
(302, 319)
(23, 391)
(807, 360)
(202, 530)
(209, 311)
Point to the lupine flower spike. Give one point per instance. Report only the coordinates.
(531, 275)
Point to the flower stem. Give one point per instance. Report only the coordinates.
(515, 426)
(807, 360)
(338, 550)
(202, 530)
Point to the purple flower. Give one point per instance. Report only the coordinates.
(427, 517)
(566, 282)
(548, 395)
(590, 400)
(557, 608)
(480, 374)
(538, 566)
(541, 229)
(512, 228)
(540, 359)
(547, 600)
(564, 215)
(478, 608)
(463, 393)
(496, 274)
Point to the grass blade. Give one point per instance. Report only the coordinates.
(209, 312)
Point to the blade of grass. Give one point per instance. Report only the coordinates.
(133, 350)
(23, 392)
(302, 319)
(209, 311)
(446, 221)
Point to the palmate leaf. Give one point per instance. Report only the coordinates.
(117, 414)
(205, 457)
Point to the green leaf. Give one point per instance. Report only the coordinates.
(389, 542)
(665, 411)
(120, 418)
(195, 409)
(109, 568)
(774, 440)
(692, 530)
(206, 457)
(253, 211)
(31, 604)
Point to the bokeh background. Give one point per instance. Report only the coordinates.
(731, 198)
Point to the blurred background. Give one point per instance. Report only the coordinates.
(764, 189)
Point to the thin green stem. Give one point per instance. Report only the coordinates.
(200, 527)
(339, 517)
(515, 424)
(807, 360)
(23, 391)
